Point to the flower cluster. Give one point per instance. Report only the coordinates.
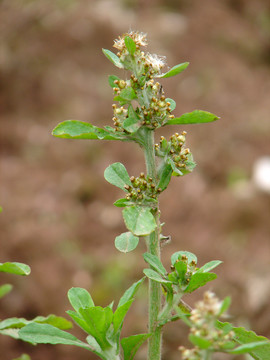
(182, 271)
(174, 150)
(203, 319)
(142, 188)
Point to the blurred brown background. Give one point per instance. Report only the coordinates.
(58, 215)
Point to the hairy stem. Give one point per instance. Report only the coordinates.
(153, 247)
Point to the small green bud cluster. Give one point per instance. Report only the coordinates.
(182, 271)
(203, 318)
(142, 188)
(176, 151)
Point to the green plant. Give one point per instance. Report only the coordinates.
(141, 108)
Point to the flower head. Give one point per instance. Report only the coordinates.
(156, 62)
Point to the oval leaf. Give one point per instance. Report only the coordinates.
(15, 268)
(177, 69)
(194, 117)
(48, 334)
(130, 45)
(139, 220)
(126, 242)
(179, 254)
(113, 58)
(172, 103)
(209, 266)
(80, 298)
(117, 175)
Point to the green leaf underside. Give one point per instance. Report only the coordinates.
(177, 69)
(194, 117)
(130, 45)
(75, 129)
(178, 255)
(130, 293)
(5, 289)
(131, 345)
(113, 58)
(117, 175)
(244, 336)
(155, 263)
(48, 334)
(126, 242)
(80, 298)
(18, 323)
(139, 220)
(199, 279)
(153, 275)
(15, 268)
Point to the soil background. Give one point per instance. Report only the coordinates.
(58, 215)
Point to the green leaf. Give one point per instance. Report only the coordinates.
(247, 348)
(199, 279)
(98, 320)
(1, 209)
(15, 268)
(14, 333)
(165, 176)
(181, 268)
(5, 289)
(56, 321)
(131, 345)
(79, 321)
(139, 220)
(23, 357)
(209, 266)
(172, 103)
(121, 202)
(113, 58)
(74, 129)
(128, 94)
(199, 341)
(130, 293)
(194, 117)
(48, 334)
(117, 175)
(126, 242)
(119, 315)
(244, 336)
(177, 69)
(155, 263)
(130, 45)
(225, 305)
(131, 124)
(153, 275)
(178, 256)
(80, 298)
(112, 79)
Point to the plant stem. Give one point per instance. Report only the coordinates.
(153, 247)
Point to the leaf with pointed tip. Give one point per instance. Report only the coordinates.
(177, 69)
(80, 298)
(117, 175)
(194, 117)
(153, 275)
(48, 334)
(15, 268)
(209, 266)
(172, 103)
(5, 289)
(130, 293)
(248, 348)
(130, 45)
(155, 263)
(119, 315)
(165, 176)
(126, 242)
(225, 305)
(75, 129)
(113, 58)
(121, 202)
(56, 321)
(139, 220)
(131, 345)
